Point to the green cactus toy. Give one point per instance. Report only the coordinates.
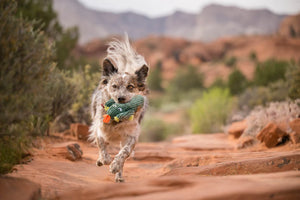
(119, 111)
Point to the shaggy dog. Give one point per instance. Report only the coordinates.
(124, 74)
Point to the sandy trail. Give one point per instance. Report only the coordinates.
(189, 167)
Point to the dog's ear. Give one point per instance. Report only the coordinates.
(108, 68)
(142, 73)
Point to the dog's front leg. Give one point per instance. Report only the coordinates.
(104, 157)
(116, 166)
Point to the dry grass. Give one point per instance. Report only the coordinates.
(280, 113)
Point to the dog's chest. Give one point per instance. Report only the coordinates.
(114, 131)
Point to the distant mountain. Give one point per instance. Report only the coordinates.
(212, 22)
(290, 26)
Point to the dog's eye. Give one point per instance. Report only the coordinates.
(104, 82)
(141, 85)
(114, 86)
(130, 87)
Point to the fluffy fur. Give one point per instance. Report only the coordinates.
(124, 75)
(123, 56)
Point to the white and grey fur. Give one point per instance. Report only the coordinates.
(124, 74)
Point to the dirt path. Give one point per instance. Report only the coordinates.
(190, 167)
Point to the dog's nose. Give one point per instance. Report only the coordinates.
(121, 99)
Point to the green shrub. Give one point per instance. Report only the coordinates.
(237, 82)
(25, 59)
(85, 82)
(220, 83)
(256, 96)
(46, 20)
(231, 62)
(32, 90)
(26, 62)
(253, 56)
(154, 130)
(293, 79)
(63, 92)
(155, 78)
(209, 113)
(269, 71)
(11, 152)
(186, 80)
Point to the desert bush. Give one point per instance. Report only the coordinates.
(269, 71)
(186, 80)
(280, 113)
(154, 130)
(209, 113)
(293, 80)
(237, 82)
(80, 85)
(220, 83)
(12, 150)
(255, 96)
(85, 83)
(155, 78)
(46, 20)
(25, 59)
(29, 80)
(253, 56)
(231, 62)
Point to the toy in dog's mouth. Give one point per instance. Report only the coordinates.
(122, 111)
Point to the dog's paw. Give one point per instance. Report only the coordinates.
(106, 160)
(119, 179)
(115, 166)
(99, 163)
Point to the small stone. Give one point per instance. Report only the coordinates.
(295, 137)
(237, 128)
(80, 131)
(245, 142)
(66, 150)
(295, 125)
(271, 135)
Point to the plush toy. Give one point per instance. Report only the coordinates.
(119, 111)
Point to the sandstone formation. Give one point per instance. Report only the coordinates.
(271, 135)
(189, 167)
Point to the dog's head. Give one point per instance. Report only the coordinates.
(124, 72)
(122, 86)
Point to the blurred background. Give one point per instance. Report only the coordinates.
(211, 62)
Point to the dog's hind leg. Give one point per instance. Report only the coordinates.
(104, 157)
(116, 167)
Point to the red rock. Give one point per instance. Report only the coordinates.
(276, 163)
(203, 142)
(19, 188)
(189, 167)
(245, 142)
(70, 151)
(290, 26)
(67, 132)
(271, 135)
(260, 186)
(237, 128)
(80, 131)
(295, 137)
(295, 125)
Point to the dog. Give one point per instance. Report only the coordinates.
(124, 74)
